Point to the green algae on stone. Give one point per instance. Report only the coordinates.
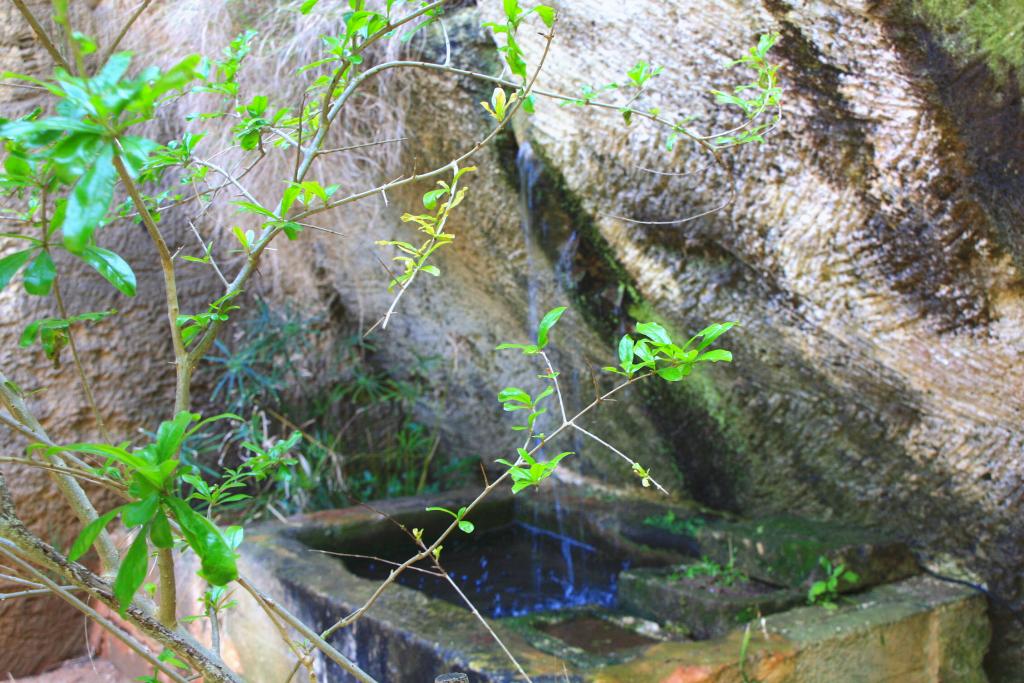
(784, 550)
(992, 30)
(704, 609)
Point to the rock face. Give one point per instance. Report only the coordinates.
(128, 358)
(872, 252)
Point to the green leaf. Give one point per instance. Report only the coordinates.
(39, 275)
(18, 129)
(11, 264)
(160, 531)
(716, 355)
(216, 557)
(89, 533)
(171, 434)
(710, 333)
(514, 394)
(430, 198)
(546, 323)
(135, 153)
(291, 229)
(466, 527)
(74, 154)
(116, 453)
(654, 332)
(86, 45)
(512, 10)
(249, 207)
(133, 570)
(112, 267)
(626, 351)
(89, 201)
(140, 512)
(546, 14)
(672, 374)
(233, 536)
(113, 70)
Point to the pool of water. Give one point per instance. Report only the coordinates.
(512, 571)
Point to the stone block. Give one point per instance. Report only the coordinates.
(784, 551)
(704, 607)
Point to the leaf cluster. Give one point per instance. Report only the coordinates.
(264, 463)
(825, 592)
(543, 331)
(655, 351)
(534, 472)
(52, 333)
(414, 259)
(151, 472)
(465, 526)
(754, 97)
(507, 30)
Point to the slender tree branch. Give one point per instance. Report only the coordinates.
(324, 152)
(480, 618)
(41, 34)
(614, 450)
(184, 372)
(34, 550)
(109, 50)
(318, 641)
(68, 486)
(83, 379)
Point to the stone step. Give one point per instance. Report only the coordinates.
(785, 551)
(920, 630)
(703, 607)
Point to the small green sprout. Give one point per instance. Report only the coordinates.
(826, 591)
(465, 526)
(523, 477)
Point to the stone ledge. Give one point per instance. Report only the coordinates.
(920, 630)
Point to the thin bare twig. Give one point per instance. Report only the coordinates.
(480, 618)
(41, 35)
(8, 548)
(375, 559)
(124, 31)
(319, 642)
(362, 145)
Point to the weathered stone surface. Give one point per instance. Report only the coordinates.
(915, 631)
(785, 551)
(705, 608)
(81, 671)
(920, 630)
(873, 254)
(127, 356)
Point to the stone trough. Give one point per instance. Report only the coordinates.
(591, 588)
